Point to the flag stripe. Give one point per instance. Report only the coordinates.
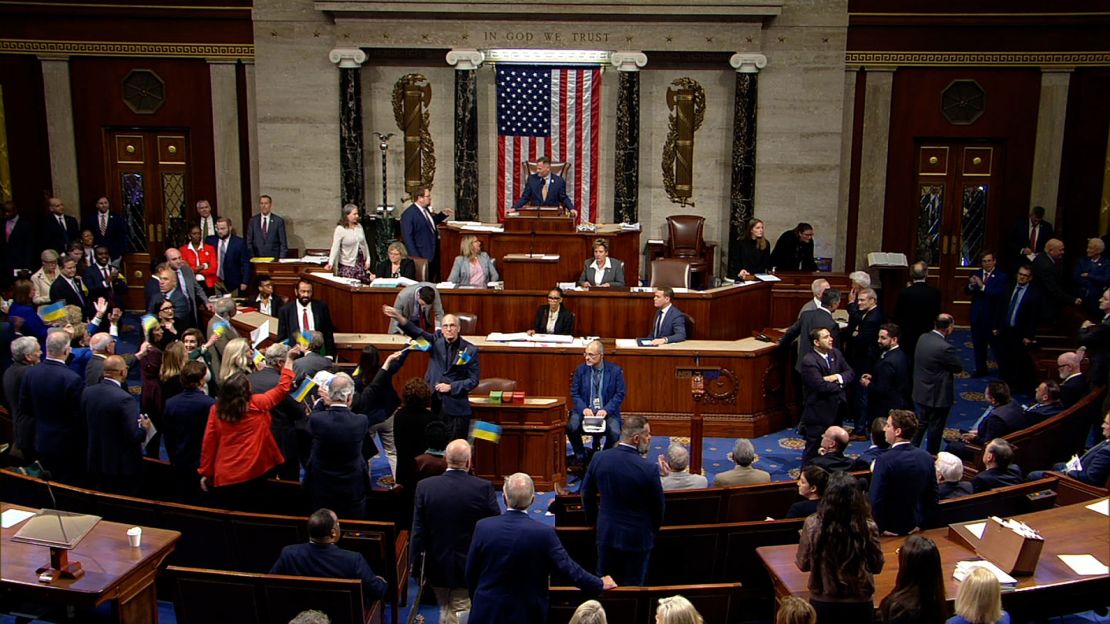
(595, 143)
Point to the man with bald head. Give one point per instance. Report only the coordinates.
(1073, 384)
(453, 369)
(187, 282)
(830, 455)
(1048, 273)
(116, 431)
(447, 508)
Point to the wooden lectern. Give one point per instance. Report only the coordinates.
(539, 219)
(722, 387)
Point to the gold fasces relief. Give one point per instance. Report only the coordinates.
(412, 97)
(686, 101)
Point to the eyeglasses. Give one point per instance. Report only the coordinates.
(554, 298)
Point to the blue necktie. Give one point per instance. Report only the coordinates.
(978, 423)
(1015, 301)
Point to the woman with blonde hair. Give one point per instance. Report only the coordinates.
(349, 253)
(397, 263)
(473, 267)
(794, 610)
(979, 600)
(44, 278)
(677, 610)
(755, 251)
(237, 358)
(589, 612)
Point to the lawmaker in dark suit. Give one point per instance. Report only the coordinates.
(1074, 386)
(794, 250)
(448, 506)
(69, 288)
(233, 259)
(864, 320)
(817, 318)
(337, 475)
(266, 232)
(1094, 338)
(50, 397)
(26, 353)
(825, 375)
(116, 433)
(103, 279)
(917, 307)
(544, 188)
(18, 239)
(108, 229)
(1015, 332)
(597, 390)
(306, 314)
(1002, 417)
(320, 557)
(420, 232)
(1094, 465)
(185, 418)
(987, 288)
(187, 283)
(602, 271)
(888, 384)
(289, 423)
(934, 391)
(669, 325)
(553, 318)
(1000, 471)
(1048, 274)
(1028, 237)
(58, 228)
(166, 289)
(420, 303)
(453, 369)
(632, 511)
(512, 559)
(903, 482)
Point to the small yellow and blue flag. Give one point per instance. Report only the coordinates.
(259, 358)
(304, 338)
(419, 344)
(302, 392)
(483, 430)
(149, 322)
(54, 312)
(464, 358)
(221, 327)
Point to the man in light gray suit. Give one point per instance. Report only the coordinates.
(675, 466)
(266, 232)
(743, 453)
(935, 364)
(819, 286)
(187, 282)
(224, 309)
(819, 317)
(420, 303)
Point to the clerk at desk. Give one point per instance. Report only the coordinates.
(544, 188)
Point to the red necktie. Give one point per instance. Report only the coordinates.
(304, 320)
(1033, 238)
(107, 279)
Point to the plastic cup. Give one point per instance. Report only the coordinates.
(135, 536)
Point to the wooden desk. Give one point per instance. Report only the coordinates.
(655, 387)
(113, 570)
(789, 295)
(1053, 590)
(533, 440)
(726, 313)
(573, 249)
(284, 274)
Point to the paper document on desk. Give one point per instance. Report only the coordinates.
(503, 337)
(445, 285)
(767, 277)
(1102, 507)
(483, 228)
(1084, 565)
(321, 260)
(12, 517)
(626, 343)
(392, 282)
(630, 227)
(260, 334)
(964, 568)
(977, 528)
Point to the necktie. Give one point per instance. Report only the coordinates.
(107, 278)
(979, 423)
(304, 320)
(595, 383)
(184, 289)
(658, 325)
(1033, 237)
(428, 216)
(544, 180)
(76, 284)
(8, 230)
(1015, 301)
(220, 260)
(65, 230)
(203, 229)
(265, 226)
(103, 224)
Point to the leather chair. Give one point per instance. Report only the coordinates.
(670, 272)
(528, 167)
(685, 241)
(421, 268)
(468, 323)
(492, 384)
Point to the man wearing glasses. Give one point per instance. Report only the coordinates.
(598, 391)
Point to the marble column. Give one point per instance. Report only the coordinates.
(742, 195)
(225, 135)
(59, 131)
(252, 138)
(1049, 147)
(626, 162)
(466, 63)
(878, 89)
(351, 171)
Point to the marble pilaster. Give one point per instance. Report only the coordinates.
(842, 262)
(742, 193)
(252, 137)
(1049, 147)
(626, 165)
(466, 63)
(59, 131)
(872, 172)
(225, 135)
(351, 186)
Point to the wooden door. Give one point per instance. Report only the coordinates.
(148, 176)
(957, 214)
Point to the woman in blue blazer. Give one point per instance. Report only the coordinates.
(473, 267)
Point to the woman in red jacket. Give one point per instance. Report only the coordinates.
(239, 452)
(201, 258)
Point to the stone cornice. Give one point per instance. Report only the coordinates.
(1006, 59)
(113, 48)
(612, 10)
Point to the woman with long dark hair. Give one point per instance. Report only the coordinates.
(840, 548)
(811, 487)
(918, 594)
(376, 398)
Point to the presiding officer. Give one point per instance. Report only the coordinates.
(598, 390)
(544, 188)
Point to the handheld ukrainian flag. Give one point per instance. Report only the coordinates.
(221, 327)
(304, 338)
(54, 312)
(419, 344)
(149, 322)
(483, 430)
(259, 358)
(358, 370)
(302, 392)
(464, 358)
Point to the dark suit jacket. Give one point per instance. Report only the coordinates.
(955, 489)
(115, 438)
(23, 428)
(890, 384)
(564, 321)
(903, 489)
(1073, 390)
(51, 397)
(289, 323)
(992, 478)
(94, 370)
(633, 507)
(988, 303)
(61, 290)
(447, 508)
(508, 568)
(673, 327)
(337, 468)
(823, 398)
(916, 311)
(407, 268)
(1048, 276)
(801, 329)
(421, 239)
(113, 291)
(237, 261)
(444, 367)
(753, 259)
(408, 436)
(273, 244)
(556, 192)
(614, 275)
(862, 343)
(1018, 239)
(934, 366)
(1003, 420)
(181, 312)
(791, 254)
(116, 237)
(612, 388)
(833, 461)
(1097, 340)
(1095, 465)
(330, 561)
(1038, 413)
(20, 251)
(288, 416)
(871, 454)
(56, 238)
(1028, 312)
(184, 419)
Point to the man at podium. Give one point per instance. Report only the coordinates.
(544, 188)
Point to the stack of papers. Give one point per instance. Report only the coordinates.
(392, 282)
(483, 228)
(963, 568)
(524, 337)
(630, 227)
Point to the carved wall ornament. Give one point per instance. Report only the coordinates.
(412, 96)
(686, 101)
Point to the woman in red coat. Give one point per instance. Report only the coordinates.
(239, 452)
(202, 259)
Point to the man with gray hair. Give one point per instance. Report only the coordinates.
(821, 316)
(223, 311)
(102, 346)
(50, 398)
(312, 362)
(26, 353)
(337, 474)
(447, 508)
(818, 288)
(513, 557)
(917, 307)
(288, 418)
(743, 454)
(675, 470)
(1073, 384)
(950, 472)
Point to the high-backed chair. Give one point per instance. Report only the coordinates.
(421, 268)
(528, 167)
(493, 384)
(670, 272)
(468, 323)
(685, 241)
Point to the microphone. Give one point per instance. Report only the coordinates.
(532, 243)
(46, 476)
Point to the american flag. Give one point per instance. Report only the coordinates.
(554, 112)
